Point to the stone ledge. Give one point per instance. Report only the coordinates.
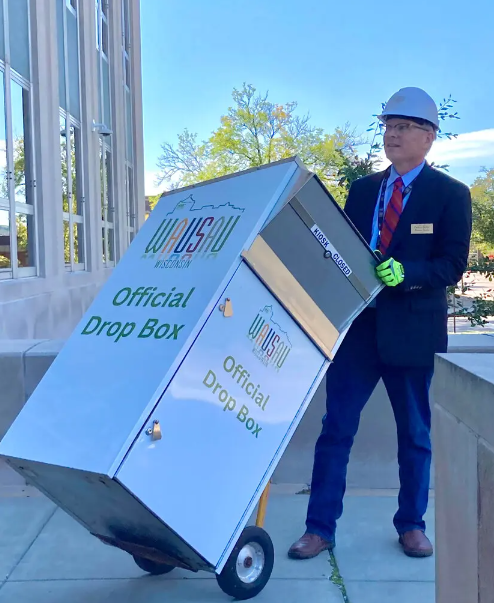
(37, 361)
(464, 465)
(466, 343)
(464, 386)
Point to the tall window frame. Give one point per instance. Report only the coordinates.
(107, 203)
(75, 231)
(130, 202)
(73, 200)
(18, 207)
(129, 139)
(108, 207)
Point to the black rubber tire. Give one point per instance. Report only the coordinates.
(152, 567)
(229, 580)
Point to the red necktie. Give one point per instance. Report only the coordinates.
(392, 216)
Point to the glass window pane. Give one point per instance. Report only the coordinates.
(78, 243)
(73, 52)
(104, 35)
(96, 18)
(19, 36)
(109, 189)
(64, 165)
(103, 241)
(123, 12)
(66, 242)
(2, 37)
(20, 135)
(106, 93)
(111, 245)
(103, 180)
(127, 23)
(128, 115)
(127, 70)
(73, 170)
(25, 240)
(4, 191)
(75, 144)
(130, 196)
(61, 56)
(4, 239)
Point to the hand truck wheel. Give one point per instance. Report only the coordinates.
(152, 567)
(249, 566)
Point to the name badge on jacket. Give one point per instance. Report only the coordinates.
(422, 228)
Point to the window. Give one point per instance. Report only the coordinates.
(129, 174)
(131, 210)
(102, 29)
(72, 200)
(18, 244)
(126, 41)
(108, 207)
(74, 231)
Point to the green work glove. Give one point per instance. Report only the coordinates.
(391, 272)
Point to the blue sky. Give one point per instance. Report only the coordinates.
(338, 60)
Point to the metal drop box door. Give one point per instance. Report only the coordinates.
(225, 419)
(313, 259)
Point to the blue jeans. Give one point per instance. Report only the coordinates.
(350, 381)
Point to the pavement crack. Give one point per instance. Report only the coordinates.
(19, 561)
(336, 577)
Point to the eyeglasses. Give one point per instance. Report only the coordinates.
(400, 128)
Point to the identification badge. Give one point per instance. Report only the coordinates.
(422, 228)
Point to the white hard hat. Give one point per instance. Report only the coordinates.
(411, 102)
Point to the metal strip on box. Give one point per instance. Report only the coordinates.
(307, 219)
(283, 285)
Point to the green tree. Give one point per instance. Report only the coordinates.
(253, 132)
(481, 308)
(153, 199)
(482, 192)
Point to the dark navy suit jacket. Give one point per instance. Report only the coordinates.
(412, 317)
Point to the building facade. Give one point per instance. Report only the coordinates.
(71, 156)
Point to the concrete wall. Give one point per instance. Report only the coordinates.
(22, 365)
(47, 308)
(464, 459)
(373, 460)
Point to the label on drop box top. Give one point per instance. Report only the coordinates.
(336, 257)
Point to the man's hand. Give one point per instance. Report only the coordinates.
(391, 272)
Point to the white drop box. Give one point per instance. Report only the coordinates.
(162, 419)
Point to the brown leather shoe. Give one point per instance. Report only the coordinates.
(310, 545)
(416, 544)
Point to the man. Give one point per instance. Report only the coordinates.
(418, 219)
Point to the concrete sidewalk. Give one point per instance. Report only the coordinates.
(45, 557)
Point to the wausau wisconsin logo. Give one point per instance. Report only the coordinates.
(271, 344)
(199, 234)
